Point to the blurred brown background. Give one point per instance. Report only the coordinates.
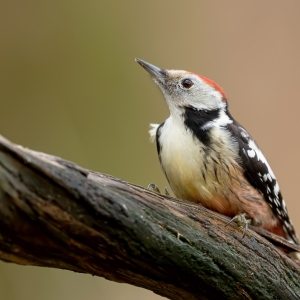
(69, 86)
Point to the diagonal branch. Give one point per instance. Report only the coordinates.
(55, 214)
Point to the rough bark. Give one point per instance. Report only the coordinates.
(54, 213)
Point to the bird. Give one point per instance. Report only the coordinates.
(209, 158)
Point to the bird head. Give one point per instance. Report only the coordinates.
(183, 89)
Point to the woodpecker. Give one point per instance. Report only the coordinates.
(209, 158)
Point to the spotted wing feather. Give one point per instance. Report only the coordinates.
(261, 176)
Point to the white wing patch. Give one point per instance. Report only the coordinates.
(251, 153)
(270, 175)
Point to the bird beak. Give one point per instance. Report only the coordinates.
(155, 72)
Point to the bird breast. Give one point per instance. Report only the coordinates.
(210, 175)
(198, 172)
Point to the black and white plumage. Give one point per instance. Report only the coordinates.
(210, 158)
(259, 173)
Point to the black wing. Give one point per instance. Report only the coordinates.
(260, 175)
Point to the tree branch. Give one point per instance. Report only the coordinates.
(55, 214)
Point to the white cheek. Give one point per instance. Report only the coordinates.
(205, 100)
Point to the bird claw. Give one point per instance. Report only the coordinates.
(167, 192)
(241, 221)
(154, 188)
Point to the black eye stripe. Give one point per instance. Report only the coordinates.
(187, 83)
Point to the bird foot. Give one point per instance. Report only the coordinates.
(241, 221)
(154, 188)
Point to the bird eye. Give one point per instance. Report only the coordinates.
(187, 83)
